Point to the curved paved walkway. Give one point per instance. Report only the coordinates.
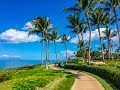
(84, 81)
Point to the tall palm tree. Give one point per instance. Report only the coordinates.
(65, 39)
(37, 30)
(54, 37)
(74, 24)
(47, 39)
(108, 34)
(86, 6)
(114, 5)
(77, 26)
(42, 25)
(97, 19)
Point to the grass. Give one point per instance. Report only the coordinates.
(53, 84)
(28, 79)
(66, 84)
(35, 78)
(104, 83)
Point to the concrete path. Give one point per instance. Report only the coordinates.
(84, 81)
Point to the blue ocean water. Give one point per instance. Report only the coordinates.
(5, 64)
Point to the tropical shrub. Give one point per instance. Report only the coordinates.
(115, 64)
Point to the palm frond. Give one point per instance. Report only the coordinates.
(72, 9)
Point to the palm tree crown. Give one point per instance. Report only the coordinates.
(65, 38)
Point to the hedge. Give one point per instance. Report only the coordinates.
(110, 74)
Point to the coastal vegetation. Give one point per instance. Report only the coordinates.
(96, 16)
(85, 16)
(32, 78)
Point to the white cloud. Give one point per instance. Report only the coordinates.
(60, 40)
(4, 56)
(94, 36)
(16, 36)
(50, 26)
(28, 26)
(69, 53)
(8, 56)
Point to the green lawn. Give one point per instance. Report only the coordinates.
(27, 79)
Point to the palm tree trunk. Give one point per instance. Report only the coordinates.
(117, 26)
(82, 36)
(78, 38)
(108, 44)
(42, 53)
(83, 46)
(109, 49)
(79, 44)
(83, 49)
(66, 52)
(100, 42)
(46, 54)
(89, 43)
(112, 54)
(55, 50)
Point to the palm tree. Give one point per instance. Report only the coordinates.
(54, 36)
(37, 30)
(74, 24)
(65, 39)
(77, 26)
(97, 19)
(42, 25)
(104, 48)
(82, 44)
(86, 6)
(48, 38)
(112, 45)
(114, 5)
(108, 34)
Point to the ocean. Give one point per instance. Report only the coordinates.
(6, 64)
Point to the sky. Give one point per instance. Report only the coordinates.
(16, 17)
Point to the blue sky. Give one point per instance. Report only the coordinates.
(16, 14)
